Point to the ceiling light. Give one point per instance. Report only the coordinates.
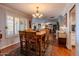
(37, 14)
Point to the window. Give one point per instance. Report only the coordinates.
(13, 25)
(16, 25)
(9, 26)
(22, 24)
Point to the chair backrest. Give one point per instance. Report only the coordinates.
(22, 41)
(30, 36)
(47, 34)
(22, 35)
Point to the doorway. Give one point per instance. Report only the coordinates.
(72, 22)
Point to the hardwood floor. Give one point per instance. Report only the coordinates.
(54, 50)
(10, 48)
(60, 50)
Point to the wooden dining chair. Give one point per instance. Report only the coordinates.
(41, 43)
(22, 41)
(32, 41)
(47, 37)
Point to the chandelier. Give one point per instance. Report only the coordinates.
(37, 14)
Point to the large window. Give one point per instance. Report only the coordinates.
(9, 26)
(16, 25)
(22, 24)
(12, 25)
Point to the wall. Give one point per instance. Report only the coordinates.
(43, 22)
(4, 42)
(77, 29)
(73, 33)
(61, 20)
(66, 10)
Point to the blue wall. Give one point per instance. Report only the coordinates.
(43, 20)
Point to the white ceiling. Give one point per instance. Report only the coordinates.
(49, 10)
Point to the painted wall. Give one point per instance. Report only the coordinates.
(4, 42)
(77, 29)
(66, 10)
(43, 22)
(39, 20)
(61, 20)
(73, 33)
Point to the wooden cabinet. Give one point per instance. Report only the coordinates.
(62, 36)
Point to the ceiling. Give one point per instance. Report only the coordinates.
(48, 9)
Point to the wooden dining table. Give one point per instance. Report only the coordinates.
(40, 37)
(40, 33)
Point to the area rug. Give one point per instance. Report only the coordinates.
(16, 52)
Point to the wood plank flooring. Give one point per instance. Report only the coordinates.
(54, 50)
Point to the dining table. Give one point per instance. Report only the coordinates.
(40, 38)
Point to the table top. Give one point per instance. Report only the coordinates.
(40, 33)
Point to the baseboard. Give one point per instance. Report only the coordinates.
(8, 45)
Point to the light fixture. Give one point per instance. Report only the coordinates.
(37, 14)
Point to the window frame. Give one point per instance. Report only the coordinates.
(21, 18)
(15, 25)
(7, 36)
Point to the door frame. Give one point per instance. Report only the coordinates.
(70, 30)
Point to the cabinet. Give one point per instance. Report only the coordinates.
(61, 36)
